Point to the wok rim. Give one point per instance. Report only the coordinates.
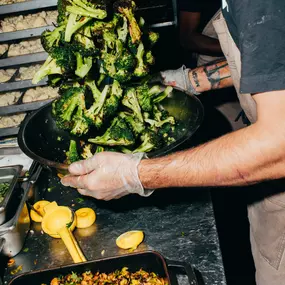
(62, 166)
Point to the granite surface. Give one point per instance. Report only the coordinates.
(178, 223)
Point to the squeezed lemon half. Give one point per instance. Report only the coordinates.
(130, 240)
(85, 218)
(37, 212)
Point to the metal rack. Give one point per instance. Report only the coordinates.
(158, 13)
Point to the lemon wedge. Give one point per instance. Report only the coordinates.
(35, 216)
(130, 240)
(85, 218)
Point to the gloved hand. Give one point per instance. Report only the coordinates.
(106, 176)
(178, 78)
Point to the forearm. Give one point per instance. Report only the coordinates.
(244, 157)
(202, 44)
(215, 75)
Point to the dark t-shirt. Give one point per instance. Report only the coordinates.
(207, 8)
(258, 28)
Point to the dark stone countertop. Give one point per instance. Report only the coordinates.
(179, 223)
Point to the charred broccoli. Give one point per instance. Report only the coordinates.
(150, 141)
(141, 68)
(130, 100)
(69, 111)
(127, 8)
(118, 134)
(51, 39)
(72, 154)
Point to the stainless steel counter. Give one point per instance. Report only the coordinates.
(179, 223)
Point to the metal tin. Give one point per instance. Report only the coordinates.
(13, 233)
(8, 174)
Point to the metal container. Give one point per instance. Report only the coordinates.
(150, 261)
(9, 174)
(48, 150)
(13, 233)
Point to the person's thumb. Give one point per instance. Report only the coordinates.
(82, 167)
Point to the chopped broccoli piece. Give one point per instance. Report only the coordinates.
(123, 31)
(99, 149)
(130, 100)
(117, 134)
(72, 154)
(153, 37)
(163, 94)
(87, 8)
(150, 141)
(112, 103)
(137, 126)
(74, 23)
(50, 39)
(125, 60)
(87, 151)
(69, 111)
(127, 8)
(48, 68)
(95, 112)
(62, 14)
(149, 58)
(141, 68)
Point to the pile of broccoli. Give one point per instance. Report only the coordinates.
(99, 57)
(91, 35)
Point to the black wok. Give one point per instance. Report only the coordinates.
(40, 138)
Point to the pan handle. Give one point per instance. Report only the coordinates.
(186, 268)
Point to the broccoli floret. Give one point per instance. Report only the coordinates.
(141, 22)
(133, 47)
(99, 149)
(94, 89)
(87, 151)
(158, 124)
(150, 141)
(50, 39)
(149, 58)
(68, 109)
(84, 55)
(153, 37)
(72, 154)
(122, 31)
(122, 75)
(95, 112)
(110, 40)
(109, 64)
(61, 60)
(87, 8)
(127, 8)
(141, 68)
(130, 100)
(112, 103)
(48, 68)
(62, 14)
(125, 61)
(163, 94)
(98, 27)
(117, 134)
(80, 125)
(146, 96)
(74, 23)
(137, 126)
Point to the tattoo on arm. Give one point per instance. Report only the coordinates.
(214, 74)
(195, 77)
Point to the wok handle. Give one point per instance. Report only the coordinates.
(187, 268)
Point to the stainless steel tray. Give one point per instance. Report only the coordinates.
(13, 233)
(8, 174)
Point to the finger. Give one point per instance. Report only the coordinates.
(84, 192)
(83, 167)
(75, 181)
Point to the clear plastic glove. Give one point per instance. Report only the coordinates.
(179, 79)
(107, 176)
